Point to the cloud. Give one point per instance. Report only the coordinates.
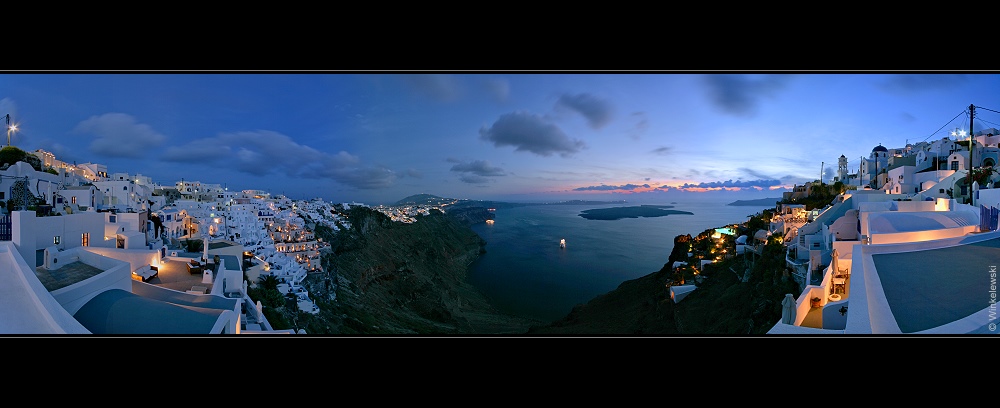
(440, 87)
(598, 112)
(626, 187)
(474, 179)
(264, 152)
(413, 173)
(662, 151)
(911, 83)
(641, 125)
(530, 133)
(478, 171)
(740, 95)
(498, 89)
(732, 184)
(118, 135)
(754, 173)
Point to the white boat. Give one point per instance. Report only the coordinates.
(562, 243)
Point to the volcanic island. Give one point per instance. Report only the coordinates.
(617, 213)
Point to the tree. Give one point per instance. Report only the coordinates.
(10, 155)
(982, 175)
(839, 188)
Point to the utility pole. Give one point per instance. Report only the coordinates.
(972, 143)
(9, 128)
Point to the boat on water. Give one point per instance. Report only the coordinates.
(562, 243)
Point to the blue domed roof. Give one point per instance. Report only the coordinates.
(880, 148)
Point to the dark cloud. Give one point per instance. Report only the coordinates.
(662, 151)
(627, 187)
(413, 173)
(909, 83)
(478, 171)
(480, 167)
(441, 87)
(474, 179)
(828, 172)
(740, 95)
(119, 135)
(598, 112)
(732, 184)
(530, 133)
(262, 153)
(498, 89)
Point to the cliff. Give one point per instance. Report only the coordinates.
(471, 215)
(397, 278)
(410, 279)
(722, 304)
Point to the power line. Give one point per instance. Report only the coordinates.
(946, 124)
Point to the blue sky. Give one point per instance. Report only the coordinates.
(377, 137)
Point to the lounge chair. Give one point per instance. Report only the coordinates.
(145, 273)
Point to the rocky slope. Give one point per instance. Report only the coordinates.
(397, 278)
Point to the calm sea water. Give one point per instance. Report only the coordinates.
(525, 273)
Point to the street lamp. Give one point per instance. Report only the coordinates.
(10, 128)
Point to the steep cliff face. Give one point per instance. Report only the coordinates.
(397, 278)
(471, 215)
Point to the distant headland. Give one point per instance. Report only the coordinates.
(757, 202)
(616, 213)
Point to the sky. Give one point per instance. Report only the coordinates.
(377, 137)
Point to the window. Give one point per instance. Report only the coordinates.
(72, 199)
(112, 219)
(954, 164)
(55, 240)
(85, 239)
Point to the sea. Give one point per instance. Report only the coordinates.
(525, 273)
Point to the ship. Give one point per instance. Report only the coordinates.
(562, 243)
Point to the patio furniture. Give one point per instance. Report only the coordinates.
(145, 273)
(194, 267)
